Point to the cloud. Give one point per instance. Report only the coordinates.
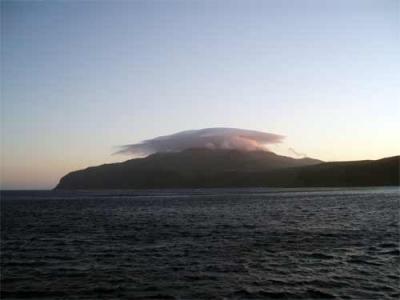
(298, 154)
(211, 138)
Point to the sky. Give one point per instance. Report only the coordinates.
(80, 78)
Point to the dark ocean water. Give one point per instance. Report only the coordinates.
(201, 244)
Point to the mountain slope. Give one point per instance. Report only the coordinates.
(193, 167)
(232, 168)
(382, 172)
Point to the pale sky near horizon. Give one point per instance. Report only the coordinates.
(79, 78)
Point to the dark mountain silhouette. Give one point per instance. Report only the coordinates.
(231, 168)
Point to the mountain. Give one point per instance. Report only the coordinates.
(231, 168)
(192, 167)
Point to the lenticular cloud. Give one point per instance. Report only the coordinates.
(209, 138)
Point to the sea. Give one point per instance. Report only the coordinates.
(259, 243)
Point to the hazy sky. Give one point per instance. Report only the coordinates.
(80, 78)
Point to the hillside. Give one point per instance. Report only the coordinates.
(231, 168)
(192, 167)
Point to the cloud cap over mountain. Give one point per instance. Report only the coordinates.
(210, 138)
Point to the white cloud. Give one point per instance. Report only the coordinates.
(211, 138)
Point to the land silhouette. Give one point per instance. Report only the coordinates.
(206, 168)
